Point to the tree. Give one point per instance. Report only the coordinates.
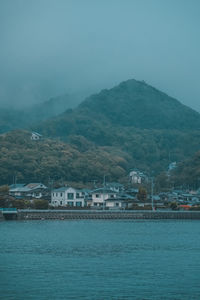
(41, 204)
(173, 205)
(142, 194)
(4, 190)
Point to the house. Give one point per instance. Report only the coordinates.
(107, 198)
(121, 201)
(172, 166)
(100, 195)
(35, 136)
(137, 176)
(115, 186)
(29, 191)
(68, 197)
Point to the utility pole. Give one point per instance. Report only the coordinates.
(104, 185)
(152, 185)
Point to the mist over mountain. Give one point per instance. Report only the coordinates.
(12, 118)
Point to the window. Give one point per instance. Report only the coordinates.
(117, 204)
(97, 196)
(78, 204)
(56, 194)
(77, 195)
(70, 203)
(61, 194)
(112, 196)
(60, 202)
(70, 196)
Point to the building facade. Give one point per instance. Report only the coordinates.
(67, 197)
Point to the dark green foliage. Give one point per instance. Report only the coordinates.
(135, 118)
(142, 194)
(33, 161)
(130, 126)
(40, 204)
(187, 174)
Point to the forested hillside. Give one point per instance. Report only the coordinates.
(132, 125)
(82, 161)
(150, 126)
(187, 172)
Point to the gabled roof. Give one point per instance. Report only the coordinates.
(35, 185)
(61, 189)
(105, 190)
(36, 133)
(114, 184)
(27, 188)
(16, 185)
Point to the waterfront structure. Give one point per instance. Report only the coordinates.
(68, 196)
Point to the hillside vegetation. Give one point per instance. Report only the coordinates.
(136, 118)
(132, 125)
(187, 173)
(33, 161)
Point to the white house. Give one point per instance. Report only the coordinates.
(35, 136)
(137, 176)
(67, 196)
(100, 195)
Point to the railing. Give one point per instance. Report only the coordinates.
(8, 209)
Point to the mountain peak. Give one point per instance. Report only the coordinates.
(135, 103)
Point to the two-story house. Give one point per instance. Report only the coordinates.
(100, 195)
(67, 196)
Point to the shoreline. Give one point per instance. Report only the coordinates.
(99, 215)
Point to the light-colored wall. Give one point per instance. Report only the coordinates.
(61, 198)
(101, 197)
(111, 204)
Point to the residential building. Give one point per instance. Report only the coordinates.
(137, 177)
(100, 195)
(28, 191)
(68, 196)
(35, 136)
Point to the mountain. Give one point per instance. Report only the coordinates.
(15, 119)
(136, 118)
(53, 107)
(132, 125)
(137, 104)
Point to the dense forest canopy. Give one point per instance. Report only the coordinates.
(33, 161)
(132, 125)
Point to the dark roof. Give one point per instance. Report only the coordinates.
(103, 190)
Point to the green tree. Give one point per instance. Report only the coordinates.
(40, 204)
(142, 194)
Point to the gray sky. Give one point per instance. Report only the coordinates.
(50, 47)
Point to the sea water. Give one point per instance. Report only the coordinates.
(94, 259)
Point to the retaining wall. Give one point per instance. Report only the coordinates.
(69, 215)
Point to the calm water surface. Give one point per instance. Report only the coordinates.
(100, 260)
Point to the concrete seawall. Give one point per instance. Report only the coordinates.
(106, 215)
